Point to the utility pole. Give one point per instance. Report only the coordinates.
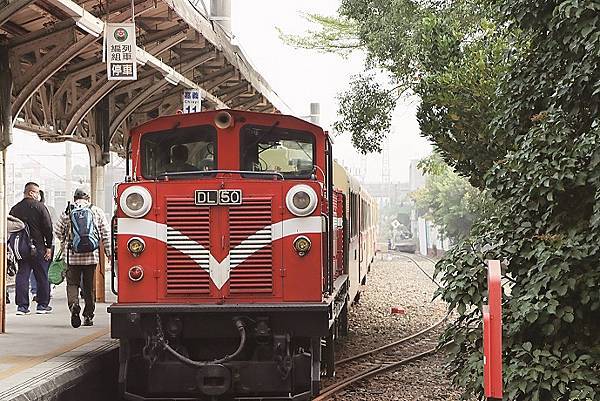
(385, 170)
(315, 113)
(68, 169)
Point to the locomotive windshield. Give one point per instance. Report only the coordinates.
(273, 149)
(182, 150)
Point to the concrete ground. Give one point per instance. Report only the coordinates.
(37, 347)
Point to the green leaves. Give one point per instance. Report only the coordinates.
(448, 199)
(367, 108)
(510, 97)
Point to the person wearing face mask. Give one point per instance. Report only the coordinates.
(33, 213)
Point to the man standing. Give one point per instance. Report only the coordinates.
(80, 229)
(32, 280)
(33, 213)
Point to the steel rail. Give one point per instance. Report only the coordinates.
(374, 371)
(421, 268)
(432, 260)
(382, 368)
(390, 345)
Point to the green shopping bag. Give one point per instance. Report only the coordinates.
(57, 270)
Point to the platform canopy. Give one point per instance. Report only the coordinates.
(58, 84)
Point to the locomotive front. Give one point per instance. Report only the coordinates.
(221, 253)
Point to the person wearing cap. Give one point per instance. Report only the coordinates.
(33, 213)
(82, 266)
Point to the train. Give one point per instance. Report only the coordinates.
(239, 245)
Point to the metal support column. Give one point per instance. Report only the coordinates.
(5, 140)
(99, 157)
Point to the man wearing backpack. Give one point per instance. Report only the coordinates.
(32, 250)
(80, 228)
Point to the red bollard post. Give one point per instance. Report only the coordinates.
(492, 334)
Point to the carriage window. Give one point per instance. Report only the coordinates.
(273, 149)
(181, 150)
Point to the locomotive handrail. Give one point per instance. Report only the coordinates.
(112, 255)
(209, 172)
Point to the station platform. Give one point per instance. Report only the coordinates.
(43, 358)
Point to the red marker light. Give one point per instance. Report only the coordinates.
(136, 273)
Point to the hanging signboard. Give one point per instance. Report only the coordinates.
(120, 51)
(191, 101)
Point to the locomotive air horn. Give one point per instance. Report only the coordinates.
(223, 120)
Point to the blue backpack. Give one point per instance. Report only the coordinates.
(21, 245)
(83, 230)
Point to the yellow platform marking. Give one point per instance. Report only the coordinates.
(25, 362)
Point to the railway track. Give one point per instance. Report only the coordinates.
(385, 358)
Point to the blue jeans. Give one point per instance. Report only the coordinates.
(33, 281)
(39, 267)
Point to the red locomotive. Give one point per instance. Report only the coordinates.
(237, 257)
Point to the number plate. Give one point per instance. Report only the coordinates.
(220, 197)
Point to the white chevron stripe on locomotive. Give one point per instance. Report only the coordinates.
(220, 271)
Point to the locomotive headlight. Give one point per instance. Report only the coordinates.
(136, 245)
(301, 200)
(136, 201)
(302, 245)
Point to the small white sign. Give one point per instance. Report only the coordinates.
(395, 224)
(120, 51)
(192, 101)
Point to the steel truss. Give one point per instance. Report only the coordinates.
(58, 83)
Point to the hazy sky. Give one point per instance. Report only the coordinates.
(301, 77)
(298, 76)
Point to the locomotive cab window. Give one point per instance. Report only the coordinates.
(271, 149)
(183, 151)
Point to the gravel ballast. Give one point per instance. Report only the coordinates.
(396, 282)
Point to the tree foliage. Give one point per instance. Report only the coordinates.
(334, 34)
(545, 226)
(450, 54)
(510, 95)
(448, 199)
(367, 112)
(547, 216)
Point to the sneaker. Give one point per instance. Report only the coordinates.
(22, 311)
(88, 321)
(75, 319)
(42, 310)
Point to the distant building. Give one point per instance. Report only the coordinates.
(430, 241)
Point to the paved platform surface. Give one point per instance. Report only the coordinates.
(41, 353)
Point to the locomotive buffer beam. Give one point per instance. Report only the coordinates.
(205, 332)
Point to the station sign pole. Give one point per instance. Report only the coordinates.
(492, 335)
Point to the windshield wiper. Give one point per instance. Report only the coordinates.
(211, 172)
